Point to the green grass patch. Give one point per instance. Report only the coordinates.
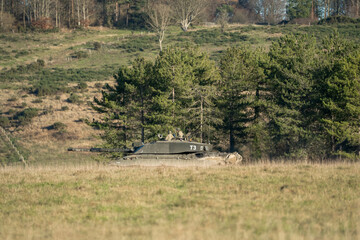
(262, 201)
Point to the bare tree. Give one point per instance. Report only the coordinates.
(272, 11)
(353, 6)
(1, 14)
(159, 17)
(223, 19)
(186, 11)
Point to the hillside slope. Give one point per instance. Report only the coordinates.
(40, 72)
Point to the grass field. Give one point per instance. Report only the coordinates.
(260, 201)
(67, 196)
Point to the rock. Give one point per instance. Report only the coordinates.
(233, 158)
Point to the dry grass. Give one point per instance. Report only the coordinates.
(263, 201)
(45, 144)
(37, 131)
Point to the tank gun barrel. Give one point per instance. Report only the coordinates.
(126, 150)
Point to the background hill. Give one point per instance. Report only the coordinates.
(47, 79)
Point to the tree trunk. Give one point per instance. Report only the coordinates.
(1, 13)
(56, 14)
(127, 17)
(312, 10)
(59, 21)
(116, 12)
(142, 117)
(257, 109)
(78, 12)
(201, 118)
(142, 123)
(84, 11)
(12, 8)
(24, 14)
(72, 11)
(232, 141)
(160, 44)
(104, 13)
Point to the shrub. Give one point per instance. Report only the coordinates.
(42, 23)
(98, 85)
(80, 54)
(82, 86)
(74, 98)
(43, 90)
(12, 99)
(4, 122)
(24, 117)
(41, 62)
(11, 111)
(49, 110)
(38, 100)
(21, 53)
(97, 45)
(64, 136)
(59, 126)
(8, 21)
(338, 19)
(46, 87)
(136, 44)
(64, 108)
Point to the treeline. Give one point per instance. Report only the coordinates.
(49, 14)
(299, 100)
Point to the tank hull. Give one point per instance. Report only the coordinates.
(171, 162)
(173, 147)
(171, 153)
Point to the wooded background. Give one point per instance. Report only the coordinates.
(299, 100)
(19, 15)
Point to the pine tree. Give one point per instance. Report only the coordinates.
(126, 104)
(239, 94)
(182, 78)
(339, 91)
(299, 9)
(290, 81)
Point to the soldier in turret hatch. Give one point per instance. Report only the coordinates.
(180, 134)
(169, 137)
(188, 137)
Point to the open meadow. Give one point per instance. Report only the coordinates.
(260, 201)
(48, 81)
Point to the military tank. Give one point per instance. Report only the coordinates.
(173, 153)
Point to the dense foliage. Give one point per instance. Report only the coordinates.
(299, 100)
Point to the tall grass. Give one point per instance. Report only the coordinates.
(262, 201)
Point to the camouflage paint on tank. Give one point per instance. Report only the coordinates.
(173, 147)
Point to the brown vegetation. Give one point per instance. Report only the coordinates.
(263, 201)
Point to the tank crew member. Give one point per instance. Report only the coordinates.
(180, 134)
(188, 137)
(169, 137)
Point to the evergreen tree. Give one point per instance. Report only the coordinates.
(239, 95)
(126, 104)
(339, 91)
(290, 81)
(159, 97)
(299, 9)
(183, 78)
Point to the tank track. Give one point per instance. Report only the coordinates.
(174, 156)
(196, 159)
